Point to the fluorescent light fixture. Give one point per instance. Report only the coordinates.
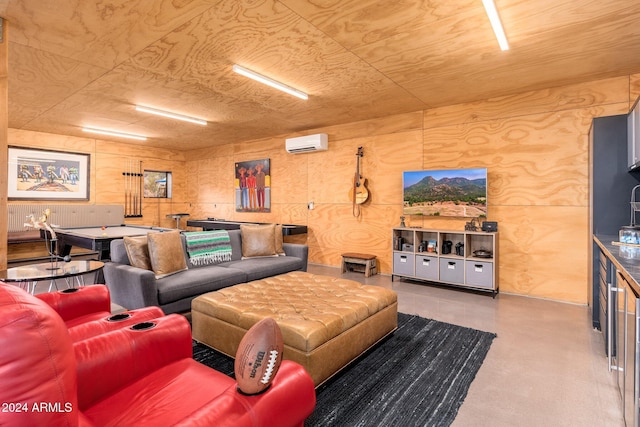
(270, 82)
(492, 13)
(171, 115)
(114, 133)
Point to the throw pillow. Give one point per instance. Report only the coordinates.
(166, 253)
(258, 240)
(279, 240)
(138, 251)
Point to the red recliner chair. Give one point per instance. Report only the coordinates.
(138, 375)
(87, 311)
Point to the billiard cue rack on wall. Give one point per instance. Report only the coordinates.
(133, 180)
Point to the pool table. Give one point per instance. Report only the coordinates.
(99, 239)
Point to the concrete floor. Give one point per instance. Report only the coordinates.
(547, 367)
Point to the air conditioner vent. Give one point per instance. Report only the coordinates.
(308, 143)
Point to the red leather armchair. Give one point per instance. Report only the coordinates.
(87, 311)
(139, 375)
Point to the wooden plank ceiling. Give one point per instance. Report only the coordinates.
(81, 63)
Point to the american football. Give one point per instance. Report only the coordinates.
(259, 356)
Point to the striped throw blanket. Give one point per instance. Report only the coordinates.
(208, 247)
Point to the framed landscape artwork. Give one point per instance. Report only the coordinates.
(36, 174)
(253, 186)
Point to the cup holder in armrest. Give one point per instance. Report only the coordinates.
(118, 317)
(69, 291)
(143, 326)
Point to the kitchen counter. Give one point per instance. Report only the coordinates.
(625, 258)
(618, 312)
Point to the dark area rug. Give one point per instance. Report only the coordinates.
(419, 376)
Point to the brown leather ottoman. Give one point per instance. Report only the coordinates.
(326, 322)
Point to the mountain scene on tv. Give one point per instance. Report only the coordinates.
(461, 193)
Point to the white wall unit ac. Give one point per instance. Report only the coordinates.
(308, 143)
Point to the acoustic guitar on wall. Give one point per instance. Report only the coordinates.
(359, 192)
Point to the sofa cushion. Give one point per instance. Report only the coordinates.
(196, 281)
(166, 253)
(261, 267)
(258, 240)
(118, 252)
(236, 244)
(279, 240)
(138, 251)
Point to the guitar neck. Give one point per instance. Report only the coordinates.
(358, 176)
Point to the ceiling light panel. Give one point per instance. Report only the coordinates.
(115, 133)
(494, 18)
(171, 115)
(269, 82)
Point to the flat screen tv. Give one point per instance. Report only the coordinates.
(449, 192)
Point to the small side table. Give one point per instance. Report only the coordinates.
(29, 275)
(351, 260)
(177, 217)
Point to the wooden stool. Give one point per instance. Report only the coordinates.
(349, 260)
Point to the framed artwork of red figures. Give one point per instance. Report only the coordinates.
(253, 186)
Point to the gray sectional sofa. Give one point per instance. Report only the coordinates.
(133, 287)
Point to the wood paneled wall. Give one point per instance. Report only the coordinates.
(4, 121)
(108, 161)
(534, 144)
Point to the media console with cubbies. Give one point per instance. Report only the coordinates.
(460, 258)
